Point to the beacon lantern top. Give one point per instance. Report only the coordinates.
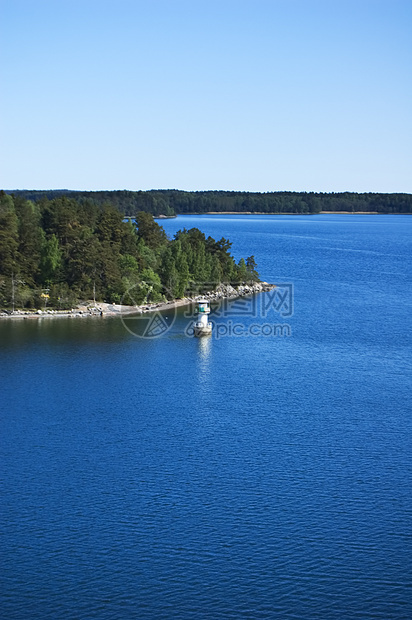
(203, 306)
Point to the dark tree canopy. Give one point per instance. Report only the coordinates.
(65, 249)
(170, 201)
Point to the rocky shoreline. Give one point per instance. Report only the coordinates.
(223, 291)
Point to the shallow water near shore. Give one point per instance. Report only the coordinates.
(258, 473)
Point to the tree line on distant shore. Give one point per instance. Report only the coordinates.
(174, 202)
(55, 252)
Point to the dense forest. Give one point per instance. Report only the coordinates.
(58, 251)
(171, 202)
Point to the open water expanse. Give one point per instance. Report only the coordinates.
(249, 476)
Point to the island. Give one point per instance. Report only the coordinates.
(70, 256)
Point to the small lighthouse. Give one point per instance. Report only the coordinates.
(203, 327)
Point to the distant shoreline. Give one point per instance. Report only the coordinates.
(170, 217)
(292, 213)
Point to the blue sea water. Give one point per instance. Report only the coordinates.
(249, 476)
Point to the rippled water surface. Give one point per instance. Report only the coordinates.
(228, 477)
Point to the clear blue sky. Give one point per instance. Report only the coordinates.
(257, 95)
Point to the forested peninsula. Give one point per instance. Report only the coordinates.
(56, 252)
(171, 202)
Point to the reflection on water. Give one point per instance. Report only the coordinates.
(60, 331)
(204, 348)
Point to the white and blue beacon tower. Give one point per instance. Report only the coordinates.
(202, 326)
